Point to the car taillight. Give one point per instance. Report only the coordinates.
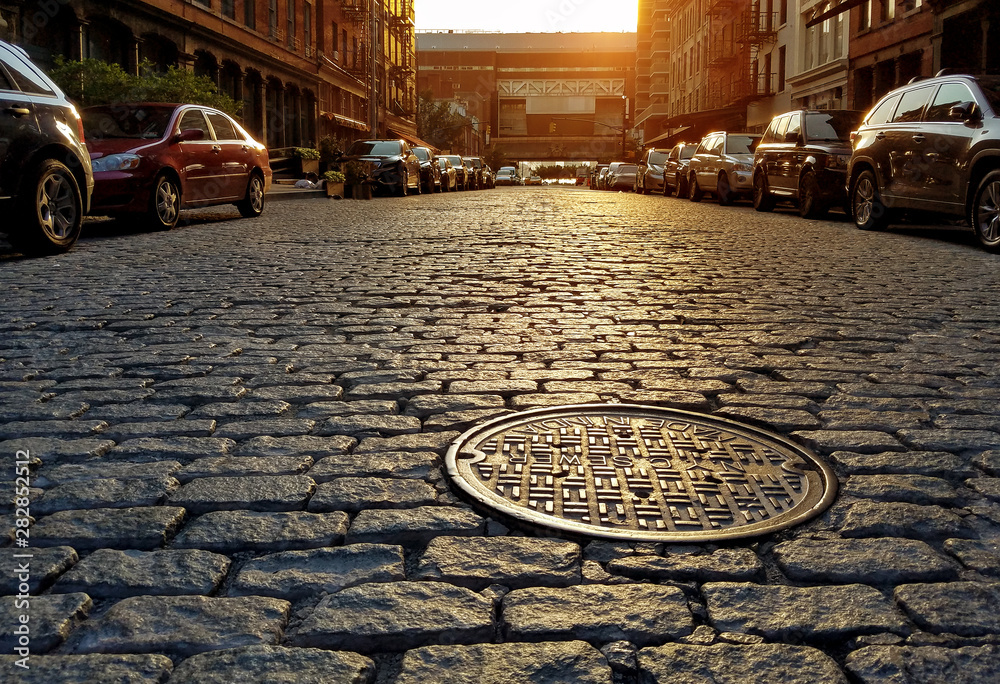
(79, 123)
(854, 136)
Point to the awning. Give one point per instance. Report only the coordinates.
(342, 120)
(833, 11)
(413, 140)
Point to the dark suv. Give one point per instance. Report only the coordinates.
(803, 157)
(932, 145)
(45, 175)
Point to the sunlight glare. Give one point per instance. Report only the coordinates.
(527, 16)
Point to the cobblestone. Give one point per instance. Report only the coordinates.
(223, 369)
(52, 618)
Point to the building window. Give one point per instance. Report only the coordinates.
(228, 8)
(335, 43)
(250, 13)
(343, 46)
(307, 29)
(354, 54)
(206, 3)
(272, 18)
(865, 19)
(781, 68)
(782, 12)
(290, 24)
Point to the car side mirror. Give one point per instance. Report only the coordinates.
(792, 138)
(967, 111)
(189, 134)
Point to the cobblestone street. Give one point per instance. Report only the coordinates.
(236, 430)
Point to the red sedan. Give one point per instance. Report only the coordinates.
(152, 160)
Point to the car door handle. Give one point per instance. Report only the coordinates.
(216, 149)
(17, 111)
(919, 137)
(880, 136)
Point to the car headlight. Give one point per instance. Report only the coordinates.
(116, 162)
(837, 161)
(741, 166)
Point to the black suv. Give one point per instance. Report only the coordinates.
(932, 145)
(45, 174)
(803, 157)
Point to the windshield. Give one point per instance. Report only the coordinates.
(455, 160)
(626, 168)
(422, 153)
(832, 126)
(124, 121)
(741, 144)
(687, 151)
(657, 157)
(377, 148)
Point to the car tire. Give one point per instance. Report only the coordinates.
(50, 212)
(252, 205)
(694, 190)
(867, 208)
(164, 204)
(763, 200)
(724, 191)
(644, 189)
(985, 212)
(681, 189)
(419, 188)
(810, 205)
(404, 180)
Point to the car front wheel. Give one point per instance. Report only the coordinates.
(986, 212)
(252, 205)
(867, 209)
(51, 211)
(810, 205)
(680, 188)
(694, 191)
(404, 181)
(723, 190)
(165, 204)
(762, 198)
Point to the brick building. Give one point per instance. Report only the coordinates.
(302, 69)
(542, 96)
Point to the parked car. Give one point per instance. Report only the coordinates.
(722, 165)
(803, 157)
(612, 167)
(449, 177)
(675, 169)
(476, 166)
(430, 173)
(507, 176)
(152, 160)
(932, 146)
(489, 180)
(623, 177)
(390, 164)
(533, 180)
(45, 174)
(598, 175)
(649, 176)
(461, 171)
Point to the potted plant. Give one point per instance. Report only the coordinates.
(308, 160)
(356, 178)
(334, 183)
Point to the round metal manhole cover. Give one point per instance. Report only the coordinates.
(640, 473)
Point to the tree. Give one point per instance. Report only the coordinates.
(496, 157)
(93, 82)
(438, 124)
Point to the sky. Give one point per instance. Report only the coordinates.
(527, 16)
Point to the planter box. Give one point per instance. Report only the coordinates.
(334, 189)
(308, 166)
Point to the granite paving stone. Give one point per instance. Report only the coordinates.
(963, 608)
(37, 568)
(105, 493)
(51, 618)
(121, 432)
(814, 614)
(870, 561)
(514, 562)
(107, 573)
(774, 418)
(146, 449)
(640, 613)
(85, 669)
(983, 555)
(53, 429)
(241, 409)
(413, 526)
(397, 616)
(328, 409)
(274, 427)
(141, 412)
(737, 664)
(924, 664)
(899, 519)
(252, 493)
(358, 425)
(950, 440)
(300, 574)
(426, 405)
(916, 489)
(546, 663)
(989, 487)
(232, 466)
(317, 447)
(144, 528)
(988, 461)
(434, 441)
(528, 401)
(860, 441)
(239, 531)
(722, 565)
(180, 626)
(928, 463)
(298, 394)
(273, 665)
(353, 494)
(100, 470)
(397, 464)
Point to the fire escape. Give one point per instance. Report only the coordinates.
(401, 70)
(360, 15)
(754, 30)
(740, 31)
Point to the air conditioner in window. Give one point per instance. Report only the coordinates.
(336, 55)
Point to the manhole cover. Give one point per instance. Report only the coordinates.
(640, 473)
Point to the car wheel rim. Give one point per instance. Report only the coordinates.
(56, 206)
(988, 213)
(256, 194)
(864, 199)
(166, 202)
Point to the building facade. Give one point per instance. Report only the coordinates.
(538, 96)
(302, 69)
